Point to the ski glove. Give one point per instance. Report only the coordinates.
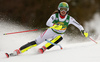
(84, 33)
(56, 26)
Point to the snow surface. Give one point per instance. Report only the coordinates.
(71, 52)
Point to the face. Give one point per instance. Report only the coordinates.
(63, 11)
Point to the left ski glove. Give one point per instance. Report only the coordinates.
(56, 26)
(84, 33)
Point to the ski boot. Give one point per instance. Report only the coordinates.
(15, 53)
(41, 50)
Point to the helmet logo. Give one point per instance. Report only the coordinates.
(64, 4)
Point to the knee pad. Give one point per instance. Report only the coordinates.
(55, 40)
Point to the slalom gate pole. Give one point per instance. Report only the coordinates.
(20, 32)
(54, 44)
(92, 40)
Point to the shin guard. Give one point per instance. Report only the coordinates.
(55, 40)
(27, 46)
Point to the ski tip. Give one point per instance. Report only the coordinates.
(7, 55)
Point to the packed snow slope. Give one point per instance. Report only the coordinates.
(77, 51)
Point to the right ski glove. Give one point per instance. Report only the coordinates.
(84, 33)
(56, 26)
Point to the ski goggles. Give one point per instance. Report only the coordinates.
(63, 9)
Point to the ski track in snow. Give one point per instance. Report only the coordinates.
(71, 52)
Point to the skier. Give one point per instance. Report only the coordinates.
(58, 23)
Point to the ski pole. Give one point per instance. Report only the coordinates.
(20, 32)
(54, 44)
(92, 40)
